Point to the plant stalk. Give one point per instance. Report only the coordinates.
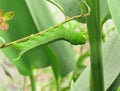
(58, 84)
(33, 86)
(94, 32)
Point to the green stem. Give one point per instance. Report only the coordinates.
(33, 86)
(94, 32)
(58, 84)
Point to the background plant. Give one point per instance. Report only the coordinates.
(29, 20)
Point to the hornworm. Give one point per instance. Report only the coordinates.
(60, 33)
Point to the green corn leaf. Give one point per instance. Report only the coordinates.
(72, 8)
(20, 26)
(53, 61)
(114, 7)
(104, 11)
(111, 65)
(73, 87)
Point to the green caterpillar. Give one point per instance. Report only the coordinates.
(60, 33)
